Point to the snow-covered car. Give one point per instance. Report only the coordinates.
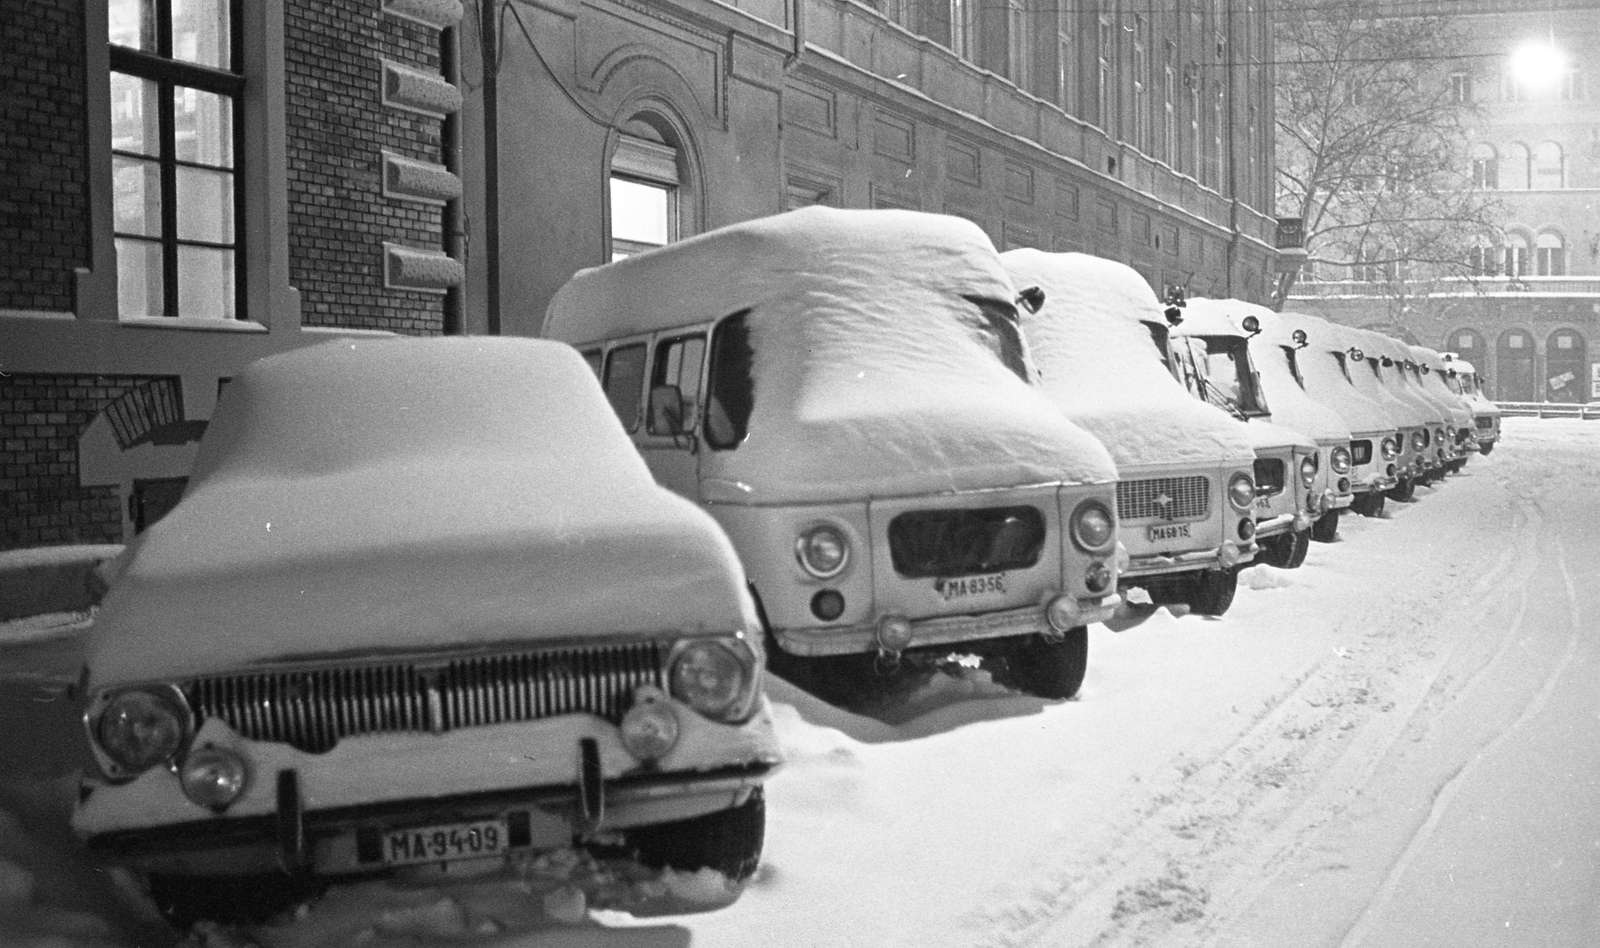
(1430, 371)
(1323, 366)
(848, 393)
(421, 605)
(1211, 356)
(1463, 379)
(1187, 492)
(1411, 420)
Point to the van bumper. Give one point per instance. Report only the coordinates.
(940, 630)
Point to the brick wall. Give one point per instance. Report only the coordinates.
(41, 502)
(43, 215)
(337, 128)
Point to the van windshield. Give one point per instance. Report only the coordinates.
(1220, 372)
(731, 394)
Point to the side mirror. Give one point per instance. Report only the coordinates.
(1251, 325)
(1031, 299)
(668, 413)
(1299, 337)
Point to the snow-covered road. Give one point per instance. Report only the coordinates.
(1397, 744)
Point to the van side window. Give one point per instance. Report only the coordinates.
(732, 390)
(624, 381)
(678, 363)
(592, 356)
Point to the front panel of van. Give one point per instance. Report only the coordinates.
(1176, 518)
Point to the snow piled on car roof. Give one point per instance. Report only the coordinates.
(1291, 406)
(1101, 368)
(875, 370)
(404, 494)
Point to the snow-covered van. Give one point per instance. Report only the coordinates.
(1429, 370)
(1393, 364)
(1411, 421)
(1323, 366)
(1212, 357)
(848, 394)
(1464, 380)
(1187, 492)
(422, 609)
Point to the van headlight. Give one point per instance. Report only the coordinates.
(823, 551)
(1241, 491)
(1419, 439)
(1093, 527)
(1308, 470)
(716, 677)
(1339, 460)
(142, 727)
(1390, 448)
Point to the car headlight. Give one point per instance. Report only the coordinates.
(1308, 470)
(1241, 491)
(1094, 529)
(1419, 439)
(142, 727)
(823, 551)
(1390, 448)
(716, 677)
(213, 776)
(1339, 459)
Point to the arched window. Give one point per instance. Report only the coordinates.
(1566, 367)
(1550, 255)
(1467, 343)
(1483, 257)
(1515, 259)
(1513, 382)
(645, 180)
(1485, 167)
(1549, 167)
(1517, 171)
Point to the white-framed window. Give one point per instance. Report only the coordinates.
(1549, 167)
(1514, 259)
(1485, 167)
(644, 184)
(1550, 255)
(1460, 86)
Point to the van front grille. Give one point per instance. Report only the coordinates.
(1361, 452)
(1269, 476)
(949, 543)
(312, 709)
(1164, 498)
(1484, 421)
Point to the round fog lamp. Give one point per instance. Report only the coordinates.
(1097, 577)
(894, 633)
(1247, 529)
(827, 604)
(649, 729)
(214, 777)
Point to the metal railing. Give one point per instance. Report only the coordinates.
(1585, 412)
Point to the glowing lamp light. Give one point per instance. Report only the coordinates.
(1538, 65)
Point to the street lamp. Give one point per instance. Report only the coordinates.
(1537, 65)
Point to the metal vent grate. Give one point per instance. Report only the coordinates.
(312, 709)
(1164, 498)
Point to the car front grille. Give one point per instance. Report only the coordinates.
(1269, 476)
(1165, 498)
(948, 543)
(1360, 452)
(312, 709)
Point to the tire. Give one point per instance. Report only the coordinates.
(1286, 550)
(1211, 592)
(1044, 669)
(237, 900)
(1326, 528)
(1484, 447)
(727, 841)
(1403, 491)
(1369, 504)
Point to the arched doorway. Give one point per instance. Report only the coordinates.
(1514, 381)
(1469, 345)
(1566, 367)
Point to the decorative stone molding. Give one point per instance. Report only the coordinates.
(410, 179)
(418, 91)
(439, 14)
(413, 268)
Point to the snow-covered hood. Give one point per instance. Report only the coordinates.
(1102, 370)
(1326, 384)
(405, 495)
(1398, 380)
(1434, 384)
(1291, 406)
(1404, 412)
(875, 372)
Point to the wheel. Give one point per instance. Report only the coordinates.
(727, 841)
(1484, 447)
(1048, 669)
(239, 900)
(1403, 491)
(1286, 550)
(1326, 529)
(1211, 592)
(1369, 504)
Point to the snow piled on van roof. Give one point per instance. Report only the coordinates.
(1341, 338)
(1326, 383)
(1102, 369)
(1291, 406)
(1398, 381)
(875, 373)
(403, 494)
